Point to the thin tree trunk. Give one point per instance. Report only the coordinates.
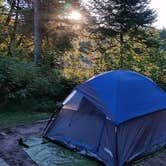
(121, 50)
(37, 39)
(16, 20)
(13, 34)
(10, 12)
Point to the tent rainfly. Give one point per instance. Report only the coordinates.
(114, 117)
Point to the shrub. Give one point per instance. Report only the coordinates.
(22, 80)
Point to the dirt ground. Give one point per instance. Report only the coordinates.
(10, 150)
(13, 154)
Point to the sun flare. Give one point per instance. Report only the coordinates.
(75, 15)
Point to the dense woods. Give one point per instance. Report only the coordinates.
(44, 53)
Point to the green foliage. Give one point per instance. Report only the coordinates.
(22, 80)
(44, 105)
(163, 38)
(72, 54)
(120, 16)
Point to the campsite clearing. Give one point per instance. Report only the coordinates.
(13, 153)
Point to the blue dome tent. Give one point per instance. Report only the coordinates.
(115, 117)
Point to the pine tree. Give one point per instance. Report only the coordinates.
(120, 16)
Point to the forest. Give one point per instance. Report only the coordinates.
(46, 50)
(51, 49)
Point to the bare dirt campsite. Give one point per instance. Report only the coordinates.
(12, 153)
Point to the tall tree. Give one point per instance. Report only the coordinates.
(13, 33)
(37, 39)
(120, 16)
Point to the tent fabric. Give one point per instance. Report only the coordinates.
(122, 91)
(90, 124)
(114, 117)
(135, 138)
(72, 102)
(141, 136)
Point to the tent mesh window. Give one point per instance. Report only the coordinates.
(73, 101)
(85, 118)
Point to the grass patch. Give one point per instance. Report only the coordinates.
(14, 114)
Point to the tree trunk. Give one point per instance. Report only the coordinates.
(13, 34)
(10, 12)
(121, 50)
(37, 39)
(16, 20)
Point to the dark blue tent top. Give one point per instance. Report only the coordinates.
(124, 94)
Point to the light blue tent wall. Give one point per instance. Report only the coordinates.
(114, 117)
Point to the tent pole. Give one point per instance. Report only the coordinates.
(116, 145)
(50, 120)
